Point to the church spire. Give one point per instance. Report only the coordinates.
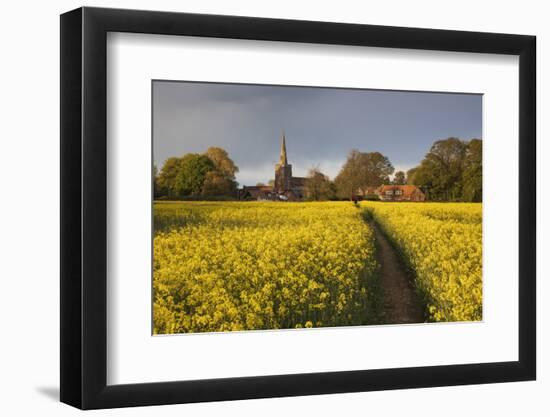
(283, 160)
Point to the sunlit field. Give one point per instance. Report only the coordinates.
(441, 243)
(226, 266)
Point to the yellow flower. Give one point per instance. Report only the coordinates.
(242, 266)
(442, 244)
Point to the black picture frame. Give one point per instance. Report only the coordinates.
(84, 207)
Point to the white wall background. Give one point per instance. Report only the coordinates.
(29, 215)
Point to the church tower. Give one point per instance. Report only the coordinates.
(283, 170)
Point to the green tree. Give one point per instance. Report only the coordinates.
(318, 186)
(223, 183)
(411, 175)
(209, 174)
(223, 163)
(191, 174)
(215, 184)
(399, 178)
(472, 178)
(361, 170)
(440, 171)
(167, 178)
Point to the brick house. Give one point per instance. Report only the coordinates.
(401, 193)
(368, 193)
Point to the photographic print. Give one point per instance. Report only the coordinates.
(291, 207)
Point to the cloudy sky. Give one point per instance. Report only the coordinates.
(321, 124)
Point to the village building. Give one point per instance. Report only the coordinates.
(401, 193)
(288, 188)
(368, 193)
(392, 193)
(285, 187)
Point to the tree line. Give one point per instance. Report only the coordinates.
(211, 174)
(450, 171)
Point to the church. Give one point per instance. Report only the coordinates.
(285, 187)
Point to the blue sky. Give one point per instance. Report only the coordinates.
(321, 124)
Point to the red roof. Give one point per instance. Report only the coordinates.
(407, 190)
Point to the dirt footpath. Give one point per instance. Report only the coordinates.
(400, 301)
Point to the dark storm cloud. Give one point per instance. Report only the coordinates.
(321, 124)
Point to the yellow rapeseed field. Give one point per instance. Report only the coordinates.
(442, 244)
(223, 266)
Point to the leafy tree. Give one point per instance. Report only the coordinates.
(223, 164)
(472, 179)
(363, 169)
(440, 171)
(191, 174)
(212, 174)
(215, 184)
(224, 182)
(411, 175)
(399, 178)
(318, 186)
(167, 177)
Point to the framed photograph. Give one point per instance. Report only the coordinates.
(257, 208)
